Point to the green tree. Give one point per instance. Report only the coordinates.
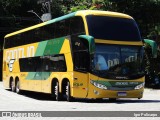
(10, 6)
(145, 12)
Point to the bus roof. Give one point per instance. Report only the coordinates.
(103, 13)
(78, 13)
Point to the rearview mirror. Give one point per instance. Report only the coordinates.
(153, 46)
(90, 41)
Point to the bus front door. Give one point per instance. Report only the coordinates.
(80, 84)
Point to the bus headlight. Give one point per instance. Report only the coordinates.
(139, 86)
(98, 85)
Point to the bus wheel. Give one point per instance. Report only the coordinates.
(68, 93)
(55, 92)
(13, 89)
(18, 90)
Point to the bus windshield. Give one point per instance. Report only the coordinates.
(118, 62)
(113, 28)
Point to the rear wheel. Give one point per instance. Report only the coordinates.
(18, 90)
(68, 93)
(12, 86)
(55, 91)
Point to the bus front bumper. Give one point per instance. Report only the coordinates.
(97, 93)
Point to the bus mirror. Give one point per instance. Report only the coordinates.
(90, 41)
(153, 46)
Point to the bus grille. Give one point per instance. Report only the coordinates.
(121, 88)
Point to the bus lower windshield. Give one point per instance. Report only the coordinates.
(113, 28)
(118, 62)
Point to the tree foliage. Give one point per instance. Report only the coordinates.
(145, 12)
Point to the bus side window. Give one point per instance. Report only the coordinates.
(57, 63)
(48, 31)
(80, 53)
(62, 63)
(38, 36)
(60, 29)
(32, 64)
(46, 64)
(77, 25)
(67, 27)
(81, 61)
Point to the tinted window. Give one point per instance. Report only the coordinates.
(48, 32)
(54, 63)
(113, 28)
(32, 36)
(32, 64)
(80, 53)
(118, 62)
(63, 28)
(60, 29)
(81, 60)
(77, 25)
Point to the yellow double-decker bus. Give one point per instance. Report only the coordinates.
(85, 54)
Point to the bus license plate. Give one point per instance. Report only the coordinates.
(122, 94)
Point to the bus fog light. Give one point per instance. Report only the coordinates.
(98, 85)
(96, 92)
(139, 86)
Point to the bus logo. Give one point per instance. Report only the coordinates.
(121, 83)
(10, 65)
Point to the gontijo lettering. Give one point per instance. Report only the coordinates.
(20, 53)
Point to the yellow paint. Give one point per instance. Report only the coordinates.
(26, 29)
(69, 62)
(66, 47)
(80, 84)
(84, 13)
(16, 53)
(113, 93)
(80, 81)
(119, 42)
(103, 13)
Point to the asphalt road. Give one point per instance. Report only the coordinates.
(30, 101)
